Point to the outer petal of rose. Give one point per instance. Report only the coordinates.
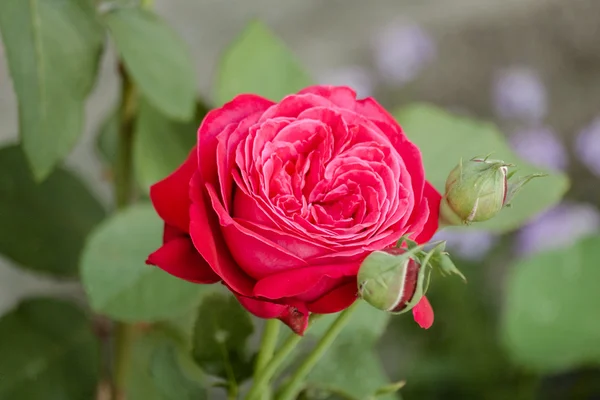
(179, 258)
(341, 96)
(293, 317)
(338, 299)
(215, 122)
(253, 253)
(208, 240)
(431, 225)
(171, 232)
(423, 313)
(170, 196)
(294, 282)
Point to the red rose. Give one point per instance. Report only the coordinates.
(282, 201)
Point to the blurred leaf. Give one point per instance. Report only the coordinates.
(157, 59)
(259, 62)
(221, 333)
(444, 138)
(551, 313)
(116, 279)
(350, 365)
(162, 370)
(389, 389)
(161, 144)
(48, 352)
(107, 137)
(43, 225)
(53, 48)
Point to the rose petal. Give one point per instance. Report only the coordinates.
(338, 299)
(260, 308)
(341, 96)
(215, 122)
(423, 313)
(296, 320)
(294, 282)
(431, 224)
(179, 258)
(171, 232)
(208, 240)
(170, 196)
(294, 317)
(253, 253)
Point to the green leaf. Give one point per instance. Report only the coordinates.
(119, 283)
(53, 48)
(350, 365)
(444, 138)
(48, 351)
(258, 62)
(551, 312)
(162, 370)
(221, 333)
(161, 144)
(43, 225)
(157, 59)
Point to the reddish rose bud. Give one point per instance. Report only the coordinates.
(392, 279)
(477, 190)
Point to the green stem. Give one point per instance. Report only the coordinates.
(267, 344)
(123, 337)
(261, 382)
(291, 389)
(124, 164)
(123, 183)
(267, 348)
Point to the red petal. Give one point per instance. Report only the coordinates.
(208, 240)
(293, 317)
(338, 299)
(253, 253)
(297, 281)
(296, 320)
(423, 313)
(170, 196)
(433, 204)
(215, 122)
(179, 258)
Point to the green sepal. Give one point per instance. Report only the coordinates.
(517, 185)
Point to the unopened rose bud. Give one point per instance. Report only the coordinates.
(477, 190)
(392, 279)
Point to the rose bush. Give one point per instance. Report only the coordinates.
(282, 201)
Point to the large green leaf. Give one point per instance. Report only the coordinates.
(43, 225)
(53, 48)
(162, 370)
(48, 352)
(350, 365)
(119, 283)
(444, 138)
(221, 333)
(551, 313)
(157, 59)
(161, 144)
(258, 62)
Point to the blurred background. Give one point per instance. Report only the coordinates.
(530, 66)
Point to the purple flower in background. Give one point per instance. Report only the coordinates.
(541, 147)
(470, 244)
(557, 227)
(401, 51)
(587, 146)
(519, 93)
(354, 76)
